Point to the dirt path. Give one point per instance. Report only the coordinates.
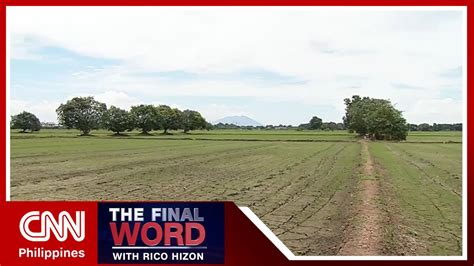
(365, 236)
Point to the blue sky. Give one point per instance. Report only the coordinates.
(278, 66)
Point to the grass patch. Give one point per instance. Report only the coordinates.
(425, 192)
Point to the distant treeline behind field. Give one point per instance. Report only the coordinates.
(331, 126)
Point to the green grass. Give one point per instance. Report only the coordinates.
(425, 183)
(301, 183)
(37, 163)
(263, 135)
(294, 181)
(202, 134)
(439, 136)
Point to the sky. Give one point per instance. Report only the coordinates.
(277, 65)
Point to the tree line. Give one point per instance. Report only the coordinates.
(87, 114)
(306, 126)
(317, 123)
(369, 117)
(435, 127)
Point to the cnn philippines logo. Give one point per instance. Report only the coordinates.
(49, 224)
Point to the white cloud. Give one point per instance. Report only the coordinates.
(223, 39)
(44, 110)
(338, 53)
(117, 99)
(21, 49)
(439, 111)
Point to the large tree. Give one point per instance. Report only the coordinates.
(315, 123)
(192, 120)
(82, 113)
(375, 118)
(329, 126)
(170, 118)
(25, 121)
(425, 127)
(118, 120)
(146, 118)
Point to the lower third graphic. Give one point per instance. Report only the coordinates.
(161, 233)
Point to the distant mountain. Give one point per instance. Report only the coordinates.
(238, 121)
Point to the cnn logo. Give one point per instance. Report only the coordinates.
(48, 224)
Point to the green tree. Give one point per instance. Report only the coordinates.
(315, 123)
(375, 118)
(425, 127)
(170, 118)
(354, 120)
(329, 126)
(118, 120)
(82, 113)
(25, 121)
(209, 126)
(413, 127)
(145, 117)
(192, 120)
(303, 126)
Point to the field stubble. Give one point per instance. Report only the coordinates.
(308, 193)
